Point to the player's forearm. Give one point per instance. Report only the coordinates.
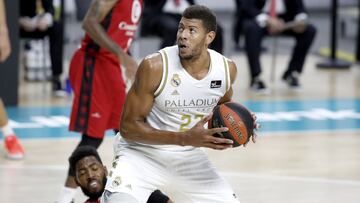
(140, 131)
(3, 26)
(3, 30)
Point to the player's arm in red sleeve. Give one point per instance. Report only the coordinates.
(233, 72)
(92, 25)
(139, 102)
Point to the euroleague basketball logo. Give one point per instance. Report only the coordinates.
(136, 11)
(175, 80)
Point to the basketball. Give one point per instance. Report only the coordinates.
(236, 118)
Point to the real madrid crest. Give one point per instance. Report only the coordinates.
(116, 182)
(175, 80)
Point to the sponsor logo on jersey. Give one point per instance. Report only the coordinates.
(190, 103)
(128, 27)
(175, 80)
(215, 84)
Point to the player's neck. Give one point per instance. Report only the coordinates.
(197, 67)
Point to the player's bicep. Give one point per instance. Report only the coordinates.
(229, 93)
(140, 98)
(232, 71)
(137, 105)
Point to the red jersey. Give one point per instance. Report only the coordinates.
(95, 74)
(120, 25)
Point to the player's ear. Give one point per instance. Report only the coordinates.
(77, 180)
(210, 36)
(105, 171)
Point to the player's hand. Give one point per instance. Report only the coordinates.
(275, 25)
(42, 24)
(28, 24)
(5, 48)
(198, 136)
(130, 67)
(256, 127)
(300, 27)
(44, 21)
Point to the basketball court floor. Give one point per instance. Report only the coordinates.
(307, 149)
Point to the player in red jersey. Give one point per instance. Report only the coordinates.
(96, 74)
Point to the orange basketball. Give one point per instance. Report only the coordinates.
(237, 118)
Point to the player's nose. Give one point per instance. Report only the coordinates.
(184, 34)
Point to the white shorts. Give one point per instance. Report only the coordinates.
(185, 176)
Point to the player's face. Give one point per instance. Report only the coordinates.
(192, 38)
(90, 175)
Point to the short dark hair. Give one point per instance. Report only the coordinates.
(79, 153)
(202, 13)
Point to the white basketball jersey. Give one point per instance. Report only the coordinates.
(181, 100)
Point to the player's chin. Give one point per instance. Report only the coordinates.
(184, 56)
(95, 189)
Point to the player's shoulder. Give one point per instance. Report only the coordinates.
(231, 65)
(217, 54)
(152, 62)
(153, 57)
(149, 73)
(151, 66)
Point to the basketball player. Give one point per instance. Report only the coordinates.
(90, 175)
(13, 148)
(96, 76)
(162, 127)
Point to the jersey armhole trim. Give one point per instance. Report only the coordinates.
(165, 73)
(227, 74)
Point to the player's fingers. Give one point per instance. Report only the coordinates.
(205, 119)
(254, 137)
(256, 126)
(218, 146)
(254, 116)
(246, 143)
(217, 130)
(217, 140)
